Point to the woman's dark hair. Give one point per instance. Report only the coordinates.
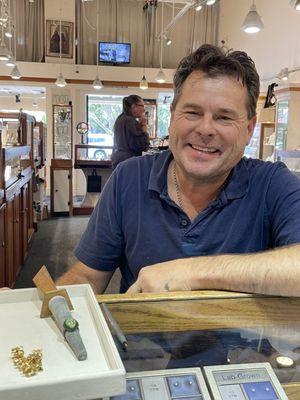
(129, 101)
(213, 62)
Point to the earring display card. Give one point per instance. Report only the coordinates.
(255, 381)
(63, 376)
(170, 384)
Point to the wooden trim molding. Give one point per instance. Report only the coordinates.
(87, 82)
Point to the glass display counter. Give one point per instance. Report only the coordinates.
(291, 160)
(89, 156)
(197, 329)
(15, 160)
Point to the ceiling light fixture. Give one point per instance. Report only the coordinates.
(283, 74)
(15, 73)
(4, 52)
(34, 103)
(295, 4)
(198, 7)
(97, 84)
(144, 83)
(252, 22)
(11, 62)
(160, 77)
(60, 81)
(210, 2)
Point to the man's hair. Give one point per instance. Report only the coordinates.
(214, 63)
(129, 101)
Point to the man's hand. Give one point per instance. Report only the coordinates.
(168, 276)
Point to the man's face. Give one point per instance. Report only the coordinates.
(138, 109)
(209, 127)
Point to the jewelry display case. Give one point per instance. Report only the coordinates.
(62, 132)
(281, 127)
(16, 129)
(15, 161)
(201, 328)
(291, 160)
(87, 155)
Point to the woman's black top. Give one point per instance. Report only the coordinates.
(129, 139)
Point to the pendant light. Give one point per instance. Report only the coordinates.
(210, 2)
(252, 22)
(97, 84)
(143, 82)
(11, 62)
(60, 81)
(4, 52)
(160, 77)
(15, 73)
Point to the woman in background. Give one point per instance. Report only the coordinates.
(130, 130)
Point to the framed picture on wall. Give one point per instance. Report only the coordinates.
(53, 39)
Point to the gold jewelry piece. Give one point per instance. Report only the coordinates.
(177, 189)
(29, 365)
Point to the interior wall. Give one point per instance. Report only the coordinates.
(275, 47)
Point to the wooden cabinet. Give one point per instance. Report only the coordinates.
(61, 187)
(2, 245)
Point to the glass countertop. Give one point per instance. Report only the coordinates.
(164, 334)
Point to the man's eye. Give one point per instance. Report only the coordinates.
(224, 118)
(192, 113)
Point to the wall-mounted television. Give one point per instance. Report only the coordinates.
(114, 53)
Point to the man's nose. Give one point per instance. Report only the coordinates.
(206, 126)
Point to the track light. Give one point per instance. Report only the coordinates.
(198, 7)
(97, 84)
(8, 34)
(60, 81)
(34, 103)
(283, 74)
(160, 77)
(15, 73)
(252, 22)
(144, 83)
(210, 2)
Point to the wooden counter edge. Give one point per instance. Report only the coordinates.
(167, 296)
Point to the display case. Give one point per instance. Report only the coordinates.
(291, 160)
(15, 161)
(87, 155)
(205, 328)
(16, 129)
(42, 141)
(150, 114)
(281, 128)
(62, 132)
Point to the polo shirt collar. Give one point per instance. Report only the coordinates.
(235, 188)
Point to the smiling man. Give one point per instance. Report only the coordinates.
(199, 216)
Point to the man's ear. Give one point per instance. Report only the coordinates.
(250, 128)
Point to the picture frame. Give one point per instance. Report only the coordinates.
(53, 38)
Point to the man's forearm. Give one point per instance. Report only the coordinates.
(269, 272)
(79, 273)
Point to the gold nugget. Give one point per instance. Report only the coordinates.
(29, 365)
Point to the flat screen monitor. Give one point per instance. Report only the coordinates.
(114, 53)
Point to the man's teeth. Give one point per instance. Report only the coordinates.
(204, 149)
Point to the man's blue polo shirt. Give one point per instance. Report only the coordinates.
(136, 224)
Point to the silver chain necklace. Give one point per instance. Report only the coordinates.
(178, 194)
